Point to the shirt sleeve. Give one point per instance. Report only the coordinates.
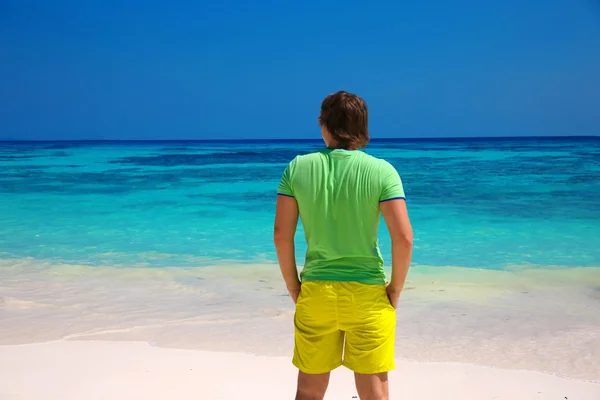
(391, 184)
(285, 185)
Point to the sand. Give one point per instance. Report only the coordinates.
(527, 319)
(78, 370)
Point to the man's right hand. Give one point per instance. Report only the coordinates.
(393, 295)
(294, 293)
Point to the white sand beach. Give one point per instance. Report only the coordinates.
(82, 333)
(77, 370)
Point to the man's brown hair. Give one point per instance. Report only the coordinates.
(346, 117)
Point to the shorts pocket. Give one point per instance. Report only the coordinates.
(386, 299)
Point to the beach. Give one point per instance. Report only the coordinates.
(109, 370)
(536, 320)
(136, 270)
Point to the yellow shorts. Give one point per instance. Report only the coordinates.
(344, 323)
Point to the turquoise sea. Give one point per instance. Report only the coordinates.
(481, 203)
(171, 243)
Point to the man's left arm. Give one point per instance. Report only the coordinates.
(286, 221)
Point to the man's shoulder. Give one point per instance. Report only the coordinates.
(374, 162)
(371, 158)
(308, 158)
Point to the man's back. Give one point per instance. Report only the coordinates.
(338, 194)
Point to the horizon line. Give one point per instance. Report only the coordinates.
(293, 139)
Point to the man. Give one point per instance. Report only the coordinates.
(345, 312)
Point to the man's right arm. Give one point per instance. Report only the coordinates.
(396, 218)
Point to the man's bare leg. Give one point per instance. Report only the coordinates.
(312, 387)
(372, 387)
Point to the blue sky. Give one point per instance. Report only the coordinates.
(72, 69)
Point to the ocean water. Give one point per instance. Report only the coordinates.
(171, 243)
(476, 203)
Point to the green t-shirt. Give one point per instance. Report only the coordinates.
(338, 194)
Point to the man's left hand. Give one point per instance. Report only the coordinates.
(294, 293)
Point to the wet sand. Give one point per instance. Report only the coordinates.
(531, 319)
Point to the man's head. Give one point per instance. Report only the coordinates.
(344, 121)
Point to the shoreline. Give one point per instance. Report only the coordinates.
(68, 370)
(523, 318)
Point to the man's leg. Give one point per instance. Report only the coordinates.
(318, 341)
(372, 387)
(312, 386)
(369, 321)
